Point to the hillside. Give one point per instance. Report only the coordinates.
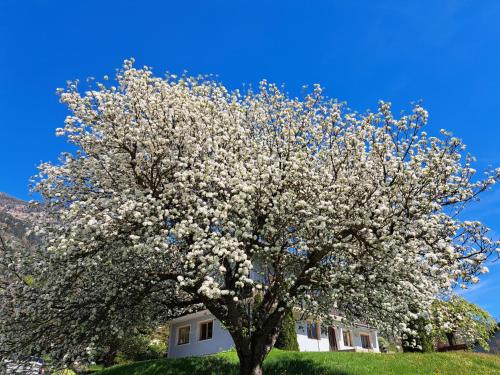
(325, 363)
(494, 343)
(16, 216)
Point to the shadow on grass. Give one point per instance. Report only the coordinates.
(181, 366)
(216, 366)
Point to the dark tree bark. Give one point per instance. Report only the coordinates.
(252, 352)
(252, 346)
(452, 341)
(251, 363)
(109, 358)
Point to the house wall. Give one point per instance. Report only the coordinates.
(311, 345)
(221, 339)
(356, 335)
(323, 344)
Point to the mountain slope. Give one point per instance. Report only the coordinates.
(16, 217)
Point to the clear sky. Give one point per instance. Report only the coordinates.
(445, 53)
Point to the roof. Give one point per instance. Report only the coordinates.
(196, 315)
(207, 313)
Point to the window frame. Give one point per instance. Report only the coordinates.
(317, 331)
(200, 324)
(368, 336)
(349, 336)
(179, 336)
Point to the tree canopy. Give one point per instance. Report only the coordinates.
(458, 319)
(183, 195)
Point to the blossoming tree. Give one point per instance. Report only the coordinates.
(183, 195)
(459, 318)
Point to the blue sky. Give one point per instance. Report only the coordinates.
(445, 53)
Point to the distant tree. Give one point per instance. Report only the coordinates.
(457, 318)
(179, 187)
(454, 320)
(287, 338)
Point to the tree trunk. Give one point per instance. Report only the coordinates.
(251, 365)
(252, 348)
(110, 357)
(252, 351)
(451, 338)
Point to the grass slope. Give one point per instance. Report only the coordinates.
(295, 363)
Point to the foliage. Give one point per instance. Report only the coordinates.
(420, 338)
(135, 345)
(287, 339)
(323, 363)
(64, 372)
(140, 348)
(389, 344)
(454, 320)
(182, 195)
(461, 319)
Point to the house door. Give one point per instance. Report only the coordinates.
(332, 339)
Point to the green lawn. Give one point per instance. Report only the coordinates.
(280, 362)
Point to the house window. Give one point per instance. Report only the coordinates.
(365, 341)
(313, 330)
(183, 335)
(206, 330)
(347, 338)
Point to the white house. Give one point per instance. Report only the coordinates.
(201, 333)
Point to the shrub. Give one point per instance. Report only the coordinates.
(287, 339)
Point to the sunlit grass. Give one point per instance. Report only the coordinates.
(294, 363)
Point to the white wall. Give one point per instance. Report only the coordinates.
(221, 339)
(373, 339)
(311, 345)
(323, 344)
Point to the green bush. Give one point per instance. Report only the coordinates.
(141, 348)
(287, 339)
(424, 340)
(136, 345)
